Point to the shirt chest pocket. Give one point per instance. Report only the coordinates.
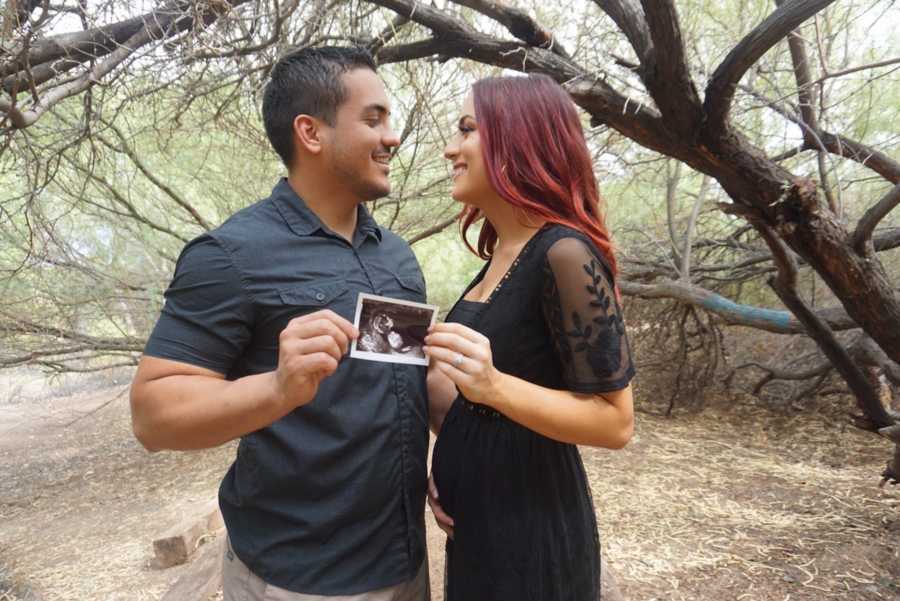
(408, 287)
(314, 296)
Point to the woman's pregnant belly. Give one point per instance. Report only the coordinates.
(445, 459)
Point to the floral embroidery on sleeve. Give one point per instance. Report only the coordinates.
(584, 318)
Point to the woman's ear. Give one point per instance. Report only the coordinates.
(308, 134)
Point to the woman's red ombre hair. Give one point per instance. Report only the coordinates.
(536, 158)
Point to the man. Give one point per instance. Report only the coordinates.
(326, 495)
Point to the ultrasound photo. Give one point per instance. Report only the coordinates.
(391, 330)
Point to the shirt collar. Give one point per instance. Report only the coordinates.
(365, 223)
(301, 219)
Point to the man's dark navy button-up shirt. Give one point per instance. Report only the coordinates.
(329, 499)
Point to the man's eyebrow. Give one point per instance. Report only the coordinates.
(378, 108)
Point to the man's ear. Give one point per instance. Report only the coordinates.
(308, 133)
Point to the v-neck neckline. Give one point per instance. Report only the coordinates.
(509, 272)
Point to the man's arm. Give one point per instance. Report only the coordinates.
(180, 406)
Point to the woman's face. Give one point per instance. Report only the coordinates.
(470, 180)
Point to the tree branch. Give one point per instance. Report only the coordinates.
(875, 160)
(118, 197)
(518, 22)
(872, 217)
(456, 39)
(788, 153)
(435, 229)
(722, 86)
(629, 17)
(387, 34)
(819, 372)
(770, 320)
(54, 55)
(784, 285)
(848, 71)
(887, 240)
(411, 51)
(838, 145)
(665, 71)
(432, 18)
(802, 74)
(131, 154)
(672, 180)
(692, 224)
(16, 325)
(158, 25)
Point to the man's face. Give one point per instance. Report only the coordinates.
(359, 145)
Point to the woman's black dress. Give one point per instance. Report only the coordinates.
(524, 519)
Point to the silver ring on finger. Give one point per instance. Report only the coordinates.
(457, 360)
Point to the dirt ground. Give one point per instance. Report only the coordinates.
(733, 503)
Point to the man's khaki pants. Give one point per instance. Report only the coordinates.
(240, 584)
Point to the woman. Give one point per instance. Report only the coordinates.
(532, 359)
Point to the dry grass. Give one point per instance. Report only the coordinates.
(728, 504)
(742, 504)
(83, 501)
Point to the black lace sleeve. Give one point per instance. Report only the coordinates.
(584, 318)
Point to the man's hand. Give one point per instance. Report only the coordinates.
(309, 350)
(444, 521)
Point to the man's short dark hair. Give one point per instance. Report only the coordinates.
(307, 82)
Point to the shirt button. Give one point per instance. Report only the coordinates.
(320, 296)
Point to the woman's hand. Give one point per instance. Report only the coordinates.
(441, 389)
(441, 394)
(444, 521)
(464, 356)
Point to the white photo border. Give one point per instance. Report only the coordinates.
(384, 357)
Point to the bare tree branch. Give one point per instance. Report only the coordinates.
(819, 372)
(518, 22)
(784, 285)
(689, 233)
(872, 217)
(802, 75)
(388, 34)
(629, 17)
(807, 112)
(435, 229)
(54, 55)
(857, 69)
(130, 209)
(770, 320)
(665, 71)
(887, 240)
(721, 88)
(453, 38)
(434, 19)
(838, 145)
(875, 160)
(787, 154)
(166, 22)
(673, 177)
(280, 17)
(126, 149)
(411, 51)
(17, 325)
